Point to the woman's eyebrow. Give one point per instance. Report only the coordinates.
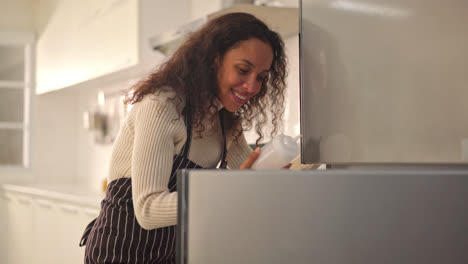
(248, 62)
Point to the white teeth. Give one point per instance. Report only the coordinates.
(240, 96)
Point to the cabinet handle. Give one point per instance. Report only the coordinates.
(69, 209)
(44, 203)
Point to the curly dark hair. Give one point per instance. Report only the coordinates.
(192, 73)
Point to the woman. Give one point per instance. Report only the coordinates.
(188, 114)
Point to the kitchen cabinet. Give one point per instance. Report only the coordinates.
(42, 228)
(73, 220)
(16, 80)
(46, 219)
(4, 233)
(58, 227)
(85, 40)
(20, 228)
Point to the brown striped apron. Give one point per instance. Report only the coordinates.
(115, 235)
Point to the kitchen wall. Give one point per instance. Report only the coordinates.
(93, 158)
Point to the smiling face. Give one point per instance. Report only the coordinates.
(242, 72)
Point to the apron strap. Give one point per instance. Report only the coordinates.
(223, 163)
(188, 124)
(85, 235)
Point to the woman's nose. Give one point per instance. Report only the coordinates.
(251, 85)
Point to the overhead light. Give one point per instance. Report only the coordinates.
(371, 9)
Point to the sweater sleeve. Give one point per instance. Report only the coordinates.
(238, 152)
(157, 133)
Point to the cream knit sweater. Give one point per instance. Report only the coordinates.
(144, 150)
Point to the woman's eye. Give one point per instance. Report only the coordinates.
(243, 71)
(262, 78)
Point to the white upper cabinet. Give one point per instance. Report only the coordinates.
(83, 40)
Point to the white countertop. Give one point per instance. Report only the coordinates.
(72, 193)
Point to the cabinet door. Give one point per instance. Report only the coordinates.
(84, 40)
(46, 219)
(41, 230)
(16, 80)
(73, 220)
(3, 228)
(20, 226)
(69, 234)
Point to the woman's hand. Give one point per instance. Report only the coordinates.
(251, 159)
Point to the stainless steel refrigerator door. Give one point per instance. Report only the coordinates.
(384, 81)
(326, 217)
